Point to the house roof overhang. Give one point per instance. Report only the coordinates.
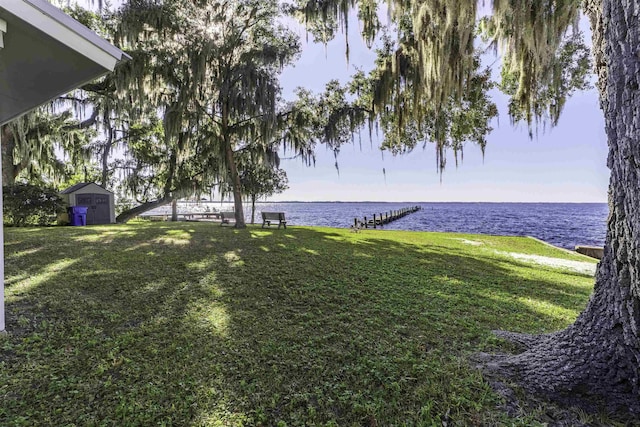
(45, 53)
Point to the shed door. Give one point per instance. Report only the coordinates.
(98, 204)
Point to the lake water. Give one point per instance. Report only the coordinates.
(561, 224)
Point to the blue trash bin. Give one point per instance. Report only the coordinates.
(77, 215)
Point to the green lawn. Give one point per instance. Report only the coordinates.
(197, 324)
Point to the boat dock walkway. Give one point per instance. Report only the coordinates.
(381, 219)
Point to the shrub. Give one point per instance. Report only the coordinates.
(26, 204)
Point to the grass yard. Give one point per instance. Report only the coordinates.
(197, 324)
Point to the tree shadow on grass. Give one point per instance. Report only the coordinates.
(192, 324)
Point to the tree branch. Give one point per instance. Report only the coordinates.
(86, 123)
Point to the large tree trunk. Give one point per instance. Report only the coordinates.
(140, 209)
(253, 209)
(236, 185)
(9, 169)
(106, 152)
(174, 210)
(597, 359)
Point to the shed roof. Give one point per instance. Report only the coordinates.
(45, 53)
(80, 186)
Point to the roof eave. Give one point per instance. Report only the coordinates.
(51, 20)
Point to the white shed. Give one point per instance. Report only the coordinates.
(43, 53)
(99, 200)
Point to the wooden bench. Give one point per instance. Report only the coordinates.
(267, 217)
(226, 217)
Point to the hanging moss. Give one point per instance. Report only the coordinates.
(431, 64)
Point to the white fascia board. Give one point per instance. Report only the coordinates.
(52, 21)
(3, 29)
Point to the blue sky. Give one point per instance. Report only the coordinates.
(563, 164)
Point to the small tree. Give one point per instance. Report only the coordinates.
(262, 180)
(26, 204)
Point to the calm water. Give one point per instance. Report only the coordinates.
(561, 224)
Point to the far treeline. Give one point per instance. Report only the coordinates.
(199, 106)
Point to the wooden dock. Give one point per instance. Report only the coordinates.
(379, 220)
(192, 216)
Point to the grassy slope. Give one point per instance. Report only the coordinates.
(191, 323)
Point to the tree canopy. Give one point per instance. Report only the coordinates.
(203, 88)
